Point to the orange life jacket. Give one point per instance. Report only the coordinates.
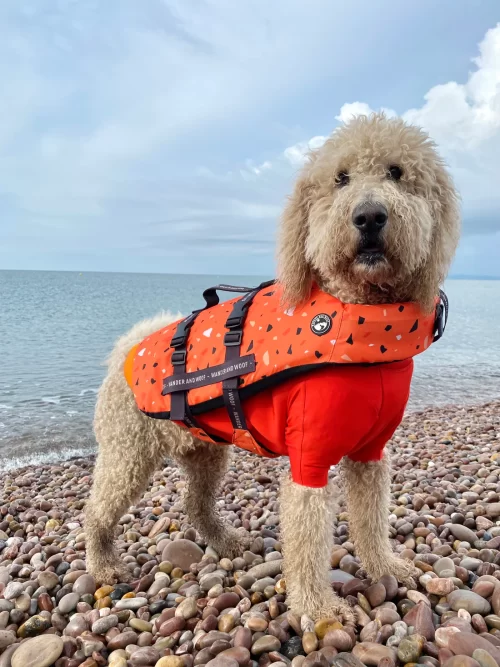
(228, 351)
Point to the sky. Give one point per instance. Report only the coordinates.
(165, 135)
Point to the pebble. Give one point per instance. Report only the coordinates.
(38, 652)
(339, 639)
(102, 625)
(462, 533)
(461, 661)
(131, 603)
(85, 585)
(484, 658)
(464, 643)
(170, 661)
(182, 553)
(370, 653)
(440, 587)
(7, 637)
(443, 565)
(68, 603)
(410, 648)
(471, 602)
(13, 590)
(265, 645)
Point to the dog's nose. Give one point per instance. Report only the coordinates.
(369, 216)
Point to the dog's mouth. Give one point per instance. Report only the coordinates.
(370, 255)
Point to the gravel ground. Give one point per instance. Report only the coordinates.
(186, 606)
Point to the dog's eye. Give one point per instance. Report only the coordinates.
(395, 172)
(342, 178)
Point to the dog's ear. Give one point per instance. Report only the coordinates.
(445, 237)
(294, 272)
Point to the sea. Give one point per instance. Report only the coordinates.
(57, 328)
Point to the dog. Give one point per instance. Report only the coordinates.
(373, 219)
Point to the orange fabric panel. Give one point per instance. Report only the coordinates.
(128, 366)
(326, 414)
(323, 330)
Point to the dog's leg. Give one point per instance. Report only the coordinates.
(205, 468)
(306, 521)
(131, 446)
(367, 488)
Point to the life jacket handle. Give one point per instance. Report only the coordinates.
(212, 298)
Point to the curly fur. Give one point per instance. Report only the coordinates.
(368, 527)
(306, 520)
(205, 468)
(318, 242)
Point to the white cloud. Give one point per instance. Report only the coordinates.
(252, 170)
(351, 109)
(297, 154)
(463, 117)
(464, 120)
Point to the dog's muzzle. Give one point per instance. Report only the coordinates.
(370, 219)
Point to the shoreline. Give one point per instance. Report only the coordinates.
(188, 610)
(57, 456)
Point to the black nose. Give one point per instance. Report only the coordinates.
(369, 216)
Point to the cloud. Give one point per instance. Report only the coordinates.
(464, 120)
(463, 117)
(297, 154)
(352, 109)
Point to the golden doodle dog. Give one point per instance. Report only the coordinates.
(373, 219)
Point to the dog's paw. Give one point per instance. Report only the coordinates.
(404, 571)
(233, 543)
(115, 572)
(324, 606)
(340, 610)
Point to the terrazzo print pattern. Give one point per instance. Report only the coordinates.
(322, 331)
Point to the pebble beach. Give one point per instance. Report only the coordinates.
(188, 605)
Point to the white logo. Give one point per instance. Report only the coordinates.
(321, 324)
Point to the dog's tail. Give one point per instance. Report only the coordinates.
(134, 336)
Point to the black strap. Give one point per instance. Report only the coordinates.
(231, 394)
(179, 407)
(178, 404)
(178, 398)
(179, 339)
(232, 341)
(441, 316)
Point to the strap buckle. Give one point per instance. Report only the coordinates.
(232, 338)
(234, 322)
(178, 358)
(178, 341)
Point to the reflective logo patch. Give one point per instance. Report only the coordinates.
(321, 324)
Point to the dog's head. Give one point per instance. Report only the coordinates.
(373, 217)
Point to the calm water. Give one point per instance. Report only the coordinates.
(57, 328)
